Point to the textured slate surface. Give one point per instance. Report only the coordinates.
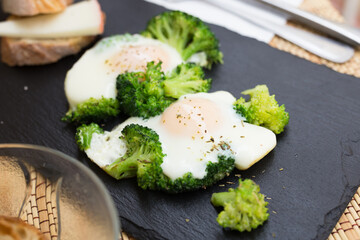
(319, 152)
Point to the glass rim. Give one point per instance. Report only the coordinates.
(108, 199)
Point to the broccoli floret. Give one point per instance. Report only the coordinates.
(187, 34)
(84, 135)
(244, 207)
(93, 110)
(144, 157)
(147, 94)
(185, 79)
(262, 109)
(140, 93)
(143, 148)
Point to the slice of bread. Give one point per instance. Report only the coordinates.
(34, 7)
(16, 229)
(22, 51)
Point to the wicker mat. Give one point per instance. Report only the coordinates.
(40, 207)
(348, 226)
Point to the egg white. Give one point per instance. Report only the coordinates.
(94, 74)
(191, 152)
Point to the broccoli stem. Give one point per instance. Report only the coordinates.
(176, 89)
(123, 167)
(84, 134)
(219, 199)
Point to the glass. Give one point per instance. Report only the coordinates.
(55, 193)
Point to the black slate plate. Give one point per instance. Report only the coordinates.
(319, 151)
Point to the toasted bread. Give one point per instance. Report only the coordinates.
(34, 7)
(15, 229)
(21, 51)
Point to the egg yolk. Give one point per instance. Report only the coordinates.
(194, 117)
(135, 59)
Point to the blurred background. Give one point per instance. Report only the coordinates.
(350, 9)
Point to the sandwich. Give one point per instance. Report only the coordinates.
(46, 38)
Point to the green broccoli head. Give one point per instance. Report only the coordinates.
(93, 110)
(187, 34)
(244, 207)
(143, 149)
(155, 179)
(84, 135)
(262, 109)
(147, 94)
(144, 157)
(140, 93)
(186, 78)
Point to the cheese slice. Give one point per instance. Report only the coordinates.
(81, 19)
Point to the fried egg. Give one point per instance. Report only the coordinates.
(94, 74)
(190, 131)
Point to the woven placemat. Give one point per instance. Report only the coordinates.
(348, 227)
(40, 207)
